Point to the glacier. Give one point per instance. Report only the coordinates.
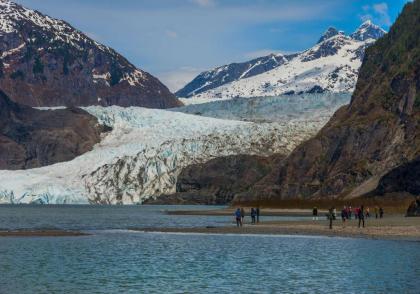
(270, 109)
(147, 149)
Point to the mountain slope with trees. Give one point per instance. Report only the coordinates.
(365, 140)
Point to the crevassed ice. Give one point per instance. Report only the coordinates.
(146, 151)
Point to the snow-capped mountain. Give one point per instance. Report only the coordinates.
(47, 62)
(367, 31)
(228, 73)
(331, 65)
(147, 149)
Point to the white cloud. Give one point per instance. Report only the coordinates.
(177, 79)
(378, 13)
(381, 8)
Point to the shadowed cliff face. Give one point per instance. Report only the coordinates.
(47, 62)
(217, 181)
(377, 132)
(32, 138)
(404, 178)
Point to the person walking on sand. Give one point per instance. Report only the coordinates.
(315, 213)
(242, 215)
(367, 212)
(361, 216)
(258, 214)
(253, 215)
(238, 218)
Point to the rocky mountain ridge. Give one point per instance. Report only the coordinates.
(228, 73)
(331, 65)
(47, 62)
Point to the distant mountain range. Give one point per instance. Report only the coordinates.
(331, 65)
(47, 62)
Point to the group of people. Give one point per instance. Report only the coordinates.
(360, 213)
(240, 216)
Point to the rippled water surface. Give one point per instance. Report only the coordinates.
(123, 261)
(91, 217)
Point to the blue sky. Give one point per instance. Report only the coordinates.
(176, 39)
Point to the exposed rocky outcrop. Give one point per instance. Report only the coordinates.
(217, 181)
(47, 62)
(377, 132)
(32, 138)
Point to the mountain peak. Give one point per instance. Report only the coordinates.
(44, 56)
(368, 30)
(329, 33)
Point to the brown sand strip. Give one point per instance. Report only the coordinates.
(407, 231)
(42, 233)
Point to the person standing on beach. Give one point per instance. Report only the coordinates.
(381, 212)
(330, 216)
(344, 215)
(253, 215)
(361, 216)
(376, 211)
(238, 218)
(258, 214)
(242, 215)
(367, 212)
(315, 213)
(349, 211)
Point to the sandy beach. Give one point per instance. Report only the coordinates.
(396, 227)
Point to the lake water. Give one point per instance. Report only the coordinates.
(117, 260)
(106, 217)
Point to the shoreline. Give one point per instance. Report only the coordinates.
(393, 228)
(265, 212)
(42, 233)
